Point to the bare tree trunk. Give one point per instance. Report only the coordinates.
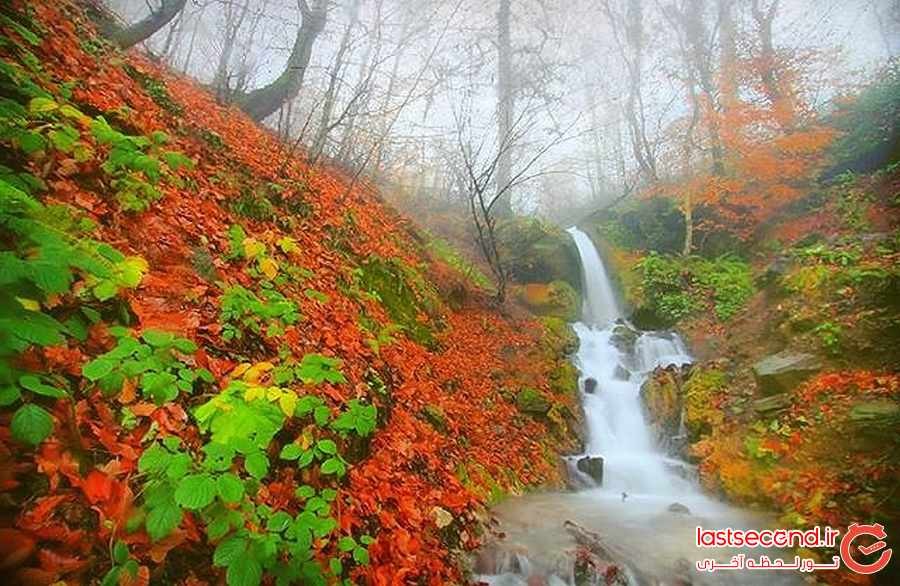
(505, 108)
(233, 23)
(262, 102)
(173, 37)
(185, 68)
(143, 29)
(325, 126)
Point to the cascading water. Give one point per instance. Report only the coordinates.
(635, 505)
(616, 429)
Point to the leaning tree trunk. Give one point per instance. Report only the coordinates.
(505, 111)
(142, 30)
(265, 101)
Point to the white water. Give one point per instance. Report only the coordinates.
(631, 507)
(616, 429)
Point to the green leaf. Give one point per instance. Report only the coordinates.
(9, 395)
(42, 105)
(361, 555)
(158, 339)
(346, 543)
(30, 142)
(31, 424)
(162, 520)
(290, 452)
(229, 550)
(196, 491)
(230, 488)
(321, 415)
(34, 384)
(154, 459)
(327, 446)
(333, 466)
(279, 522)
(218, 456)
(97, 368)
(306, 458)
(178, 465)
(244, 572)
(304, 492)
(218, 527)
(186, 346)
(334, 564)
(120, 552)
(257, 465)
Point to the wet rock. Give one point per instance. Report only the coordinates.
(556, 299)
(590, 386)
(769, 406)
(624, 337)
(877, 412)
(681, 469)
(532, 402)
(782, 372)
(621, 373)
(592, 466)
(662, 399)
(679, 509)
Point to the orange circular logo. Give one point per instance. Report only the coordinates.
(876, 531)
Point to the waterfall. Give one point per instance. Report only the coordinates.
(609, 348)
(600, 305)
(647, 505)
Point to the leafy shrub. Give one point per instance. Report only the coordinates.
(675, 288)
(137, 164)
(45, 252)
(155, 362)
(243, 311)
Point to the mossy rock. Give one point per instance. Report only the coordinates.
(406, 297)
(532, 402)
(564, 378)
(555, 299)
(700, 416)
(662, 400)
(435, 416)
(538, 252)
(559, 337)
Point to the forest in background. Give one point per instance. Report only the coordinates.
(224, 354)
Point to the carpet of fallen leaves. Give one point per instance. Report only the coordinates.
(62, 503)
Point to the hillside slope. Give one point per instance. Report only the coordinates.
(220, 362)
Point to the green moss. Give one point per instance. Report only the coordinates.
(532, 402)
(395, 286)
(538, 252)
(555, 299)
(699, 413)
(156, 90)
(435, 416)
(442, 250)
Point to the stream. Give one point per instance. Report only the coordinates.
(646, 508)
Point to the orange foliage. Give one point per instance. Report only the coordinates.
(90, 461)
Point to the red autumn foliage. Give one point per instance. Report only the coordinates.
(89, 463)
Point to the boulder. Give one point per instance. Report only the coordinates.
(621, 373)
(555, 299)
(769, 406)
(624, 337)
(782, 372)
(532, 402)
(679, 509)
(592, 466)
(536, 251)
(590, 385)
(662, 400)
